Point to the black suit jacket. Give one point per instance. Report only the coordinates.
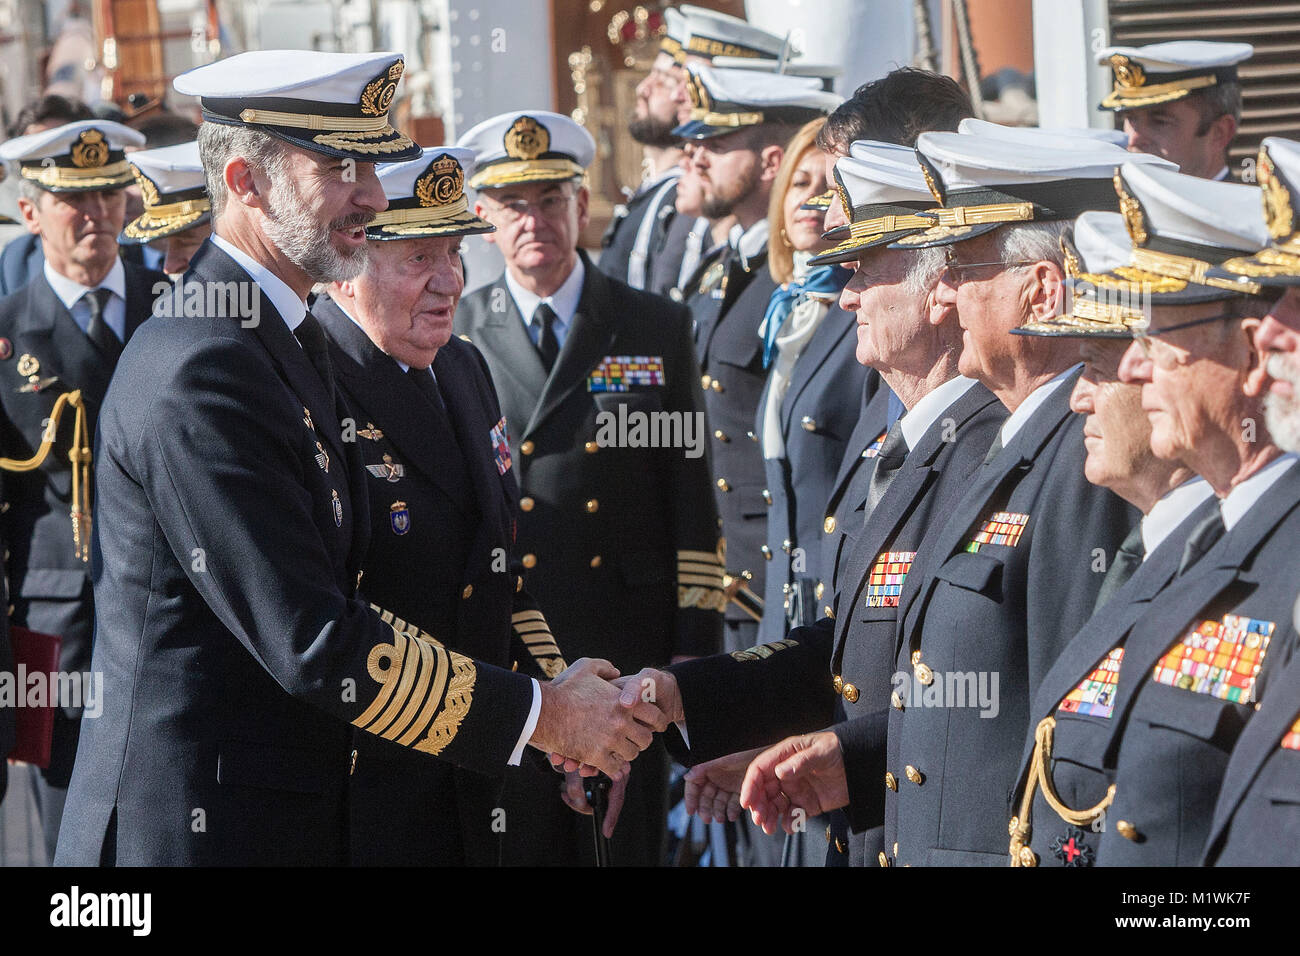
(1169, 744)
(1004, 611)
(442, 516)
(236, 655)
(607, 528)
(1256, 819)
(818, 415)
(1079, 742)
(49, 585)
(727, 316)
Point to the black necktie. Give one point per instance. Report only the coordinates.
(97, 330)
(548, 346)
(313, 344)
(1127, 560)
(994, 448)
(890, 458)
(428, 385)
(1202, 538)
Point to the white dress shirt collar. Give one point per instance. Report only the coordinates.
(1243, 496)
(752, 242)
(70, 294)
(917, 420)
(1032, 403)
(291, 308)
(564, 301)
(1170, 511)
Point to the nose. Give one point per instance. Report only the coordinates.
(945, 293)
(1134, 366)
(176, 260)
(369, 192)
(834, 216)
(1081, 398)
(850, 299)
(1273, 336)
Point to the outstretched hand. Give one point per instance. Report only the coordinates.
(804, 772)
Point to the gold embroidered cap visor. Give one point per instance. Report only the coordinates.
(872, 226)
(166, 214)
(408, 219)
(546, 168)
(719, 118)
(60, 175)
(1278, 265)
(977, 211)
(1104, 306)
(1134, 88)
(341, 130)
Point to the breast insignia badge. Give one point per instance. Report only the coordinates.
(399, 516)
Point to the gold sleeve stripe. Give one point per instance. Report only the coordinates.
(521, 617)
(533, 627)
(700, 565)
(544, 650)
(707, 557)
(709, 599)
(552, 667)
(711, 576)
(763, 650)
(706, 580)
(413, 672)
(539, 638)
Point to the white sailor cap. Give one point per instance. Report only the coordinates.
(426, 197)
(535, 146)
(723, 101)
(1183, 226)
(1102, 304)
(825, 72)
(881, 190)
(983, 182)
(331, 103)
(697, 31)
(85, 156)
(1163, 72)
(174, 191)
(1036, 134)
(1278, 174)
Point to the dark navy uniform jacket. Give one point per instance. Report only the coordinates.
(727, 315)
(49, 586)
(237, 657)
(443, 509)
(1174, 727)
(660, 262)
(933, 478)
(1081, 732)
(1003, 586)
(1256, 820)
(818, 416)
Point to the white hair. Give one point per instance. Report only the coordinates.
(1034, 242)
(219, 143)
(924, 270)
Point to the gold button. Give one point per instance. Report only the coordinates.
(529, 560)
(751, 436)
(595, 561)
(882, 859)
(850, 693)
(809, 423)
(829, 612)
(352, 767)
(895, 849)
(716, 386)
(924, 674)
(767, 496)
(829, 524)
(916, 658)
(469, 590)
(1028, 857)
(593, 506)
(526, 504)
(891, 782)
(840, 847)
(896, 701)
(723, 485)
(838, 684)
(819, 590)
(590, 447)
(705, 381)
(1127, 830)
(519, 584)
(913, 774)
(526, 448)
(786, 545)
(767, 553)
(720, 435)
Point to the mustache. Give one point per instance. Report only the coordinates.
(351, 221)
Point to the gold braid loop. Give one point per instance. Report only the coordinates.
(80, 456)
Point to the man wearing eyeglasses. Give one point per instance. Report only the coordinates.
(604, 426)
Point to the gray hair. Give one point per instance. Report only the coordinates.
(1034, 242)
(28, 190)
(924, 270)
(219, 143)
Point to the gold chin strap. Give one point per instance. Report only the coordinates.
(1040, 776)
(80, 456)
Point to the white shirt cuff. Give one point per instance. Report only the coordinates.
(529, 726)
(681, 729)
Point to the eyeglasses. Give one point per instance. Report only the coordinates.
(954, 269)
(548, 207)
(1143, 337)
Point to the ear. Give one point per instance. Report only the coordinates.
(344, 289)
(583, 199)
(31, 215)
(1257, 378)
(241, 183)
(1046, 290)
(481, 211)
(936, 310)
(769, 161)
(1222, 131)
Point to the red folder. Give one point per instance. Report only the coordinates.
(34, 653)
